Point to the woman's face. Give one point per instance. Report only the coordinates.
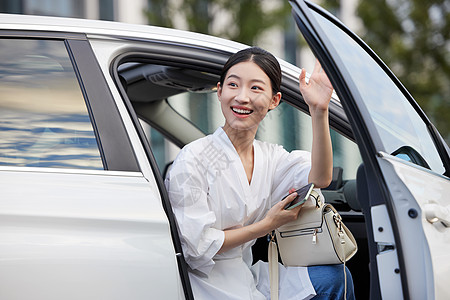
(246, 96)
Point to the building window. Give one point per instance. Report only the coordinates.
(62, 8)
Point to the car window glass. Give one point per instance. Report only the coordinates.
(285, 125)
(396, 121)
(203, 110)
(163, 150)
(43, 116)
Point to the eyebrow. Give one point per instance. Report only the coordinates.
(253, 80)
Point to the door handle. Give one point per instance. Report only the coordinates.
(437, 213)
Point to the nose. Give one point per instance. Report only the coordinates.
(242, 96)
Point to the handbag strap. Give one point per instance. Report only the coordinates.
(273, 256)
(273, 267)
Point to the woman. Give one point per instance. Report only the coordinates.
(225, 189)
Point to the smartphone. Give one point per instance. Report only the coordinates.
(302, 195)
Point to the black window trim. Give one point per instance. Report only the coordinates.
(106, 117)
(10, 33)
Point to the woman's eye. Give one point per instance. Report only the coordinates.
(232, 84)
(256, 88)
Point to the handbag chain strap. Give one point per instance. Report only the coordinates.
(316, 197)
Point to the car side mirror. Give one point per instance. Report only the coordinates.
(410, 154)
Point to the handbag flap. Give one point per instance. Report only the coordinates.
(310, 216)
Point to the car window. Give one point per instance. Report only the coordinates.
(285, 125)
(163, 149)
(44, 121)
(395, 119)
(156, 90)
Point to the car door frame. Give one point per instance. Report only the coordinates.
(375, 184)
(92, 75)
(170, 54)
(360, 135)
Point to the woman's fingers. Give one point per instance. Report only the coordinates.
(317, 67)
(302, 79)
(291, 196)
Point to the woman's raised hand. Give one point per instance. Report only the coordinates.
(317, 92)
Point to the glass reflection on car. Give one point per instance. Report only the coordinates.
(43, 117)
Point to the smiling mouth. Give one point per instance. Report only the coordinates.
(241, 111)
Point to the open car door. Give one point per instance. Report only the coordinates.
(403, 182)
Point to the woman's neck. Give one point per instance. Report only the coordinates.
(242, 140)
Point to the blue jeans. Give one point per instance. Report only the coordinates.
(328, 281)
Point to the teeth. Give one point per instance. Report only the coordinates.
(241, 111)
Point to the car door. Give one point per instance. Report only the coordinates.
(404, 177)
(79, 220)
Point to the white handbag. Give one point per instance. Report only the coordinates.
(317, 237)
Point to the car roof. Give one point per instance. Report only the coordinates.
(114, 29)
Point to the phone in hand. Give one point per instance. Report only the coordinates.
(302, 195)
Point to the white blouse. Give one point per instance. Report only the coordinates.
(209, 192)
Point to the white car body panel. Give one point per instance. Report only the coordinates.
(53, 224)
(387, 260)
(430, 190)
(423, 188)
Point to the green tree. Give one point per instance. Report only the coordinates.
(412, 38)
(249, 19)
(160, 13)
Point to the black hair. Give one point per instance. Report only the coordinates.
(262, 58)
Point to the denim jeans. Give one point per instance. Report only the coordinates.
(328, 281)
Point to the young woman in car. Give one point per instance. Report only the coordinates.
(225, 189)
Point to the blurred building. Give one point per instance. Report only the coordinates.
(132, 11)
(129, 11)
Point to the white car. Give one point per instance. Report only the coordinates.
(91, 111)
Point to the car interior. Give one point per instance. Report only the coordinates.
(177, 104)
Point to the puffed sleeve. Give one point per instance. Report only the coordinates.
(291, 171)
(187, 186)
